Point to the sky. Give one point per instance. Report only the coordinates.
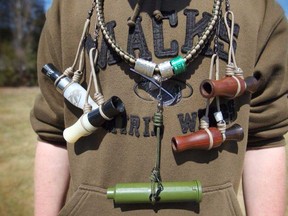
(47, 4)
(283, 3)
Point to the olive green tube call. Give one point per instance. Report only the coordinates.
(129, 193)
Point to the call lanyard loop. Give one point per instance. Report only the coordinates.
(156, 181)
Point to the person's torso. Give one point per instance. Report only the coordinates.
(124, 150)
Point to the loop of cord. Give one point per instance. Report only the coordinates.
(230, 69)
(204, 122)
(87, 108)
(132, 21)
(230, 32)
(222, 128)
(69, 72)
(81, 43)
(99, 98)
(155, 174)
(77, 76)
(157, 12)
(156, 185)
(239, 72)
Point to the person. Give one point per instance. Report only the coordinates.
(71, 178)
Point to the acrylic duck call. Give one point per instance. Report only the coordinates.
(89, 122)
(206, 139)
(72, 91)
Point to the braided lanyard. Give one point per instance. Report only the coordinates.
(166, 69)
(156, 180)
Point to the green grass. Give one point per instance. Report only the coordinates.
(17, 147)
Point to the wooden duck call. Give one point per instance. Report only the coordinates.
(206, 139)
(229, 86)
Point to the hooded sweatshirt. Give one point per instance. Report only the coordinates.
(124, 150)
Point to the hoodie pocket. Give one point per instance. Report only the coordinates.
(83, 201)
(220, 200)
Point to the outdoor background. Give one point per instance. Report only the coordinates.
(20, 27)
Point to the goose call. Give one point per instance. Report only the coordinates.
(129, 193)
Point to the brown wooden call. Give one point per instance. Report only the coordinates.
(201, 138)
(229, 86)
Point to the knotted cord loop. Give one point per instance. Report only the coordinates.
(87, 108)
(158, 119)
(93, 57)
(132, 21)
(221, 125)
(157, 12)
(77, 76)
(204, 122)
(230, 32)
(99, 98)
(69, 72)
(239, 72)
(156, 181)
(79, 53)
(156, 186)
(232, 68)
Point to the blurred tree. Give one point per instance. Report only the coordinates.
(20, 28)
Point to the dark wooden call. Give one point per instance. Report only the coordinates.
(201, 138)
(229, 86)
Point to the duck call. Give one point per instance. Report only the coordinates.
(72, 91)
(229, 86)
(89, 122)
(206, 139)
(130, 193)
